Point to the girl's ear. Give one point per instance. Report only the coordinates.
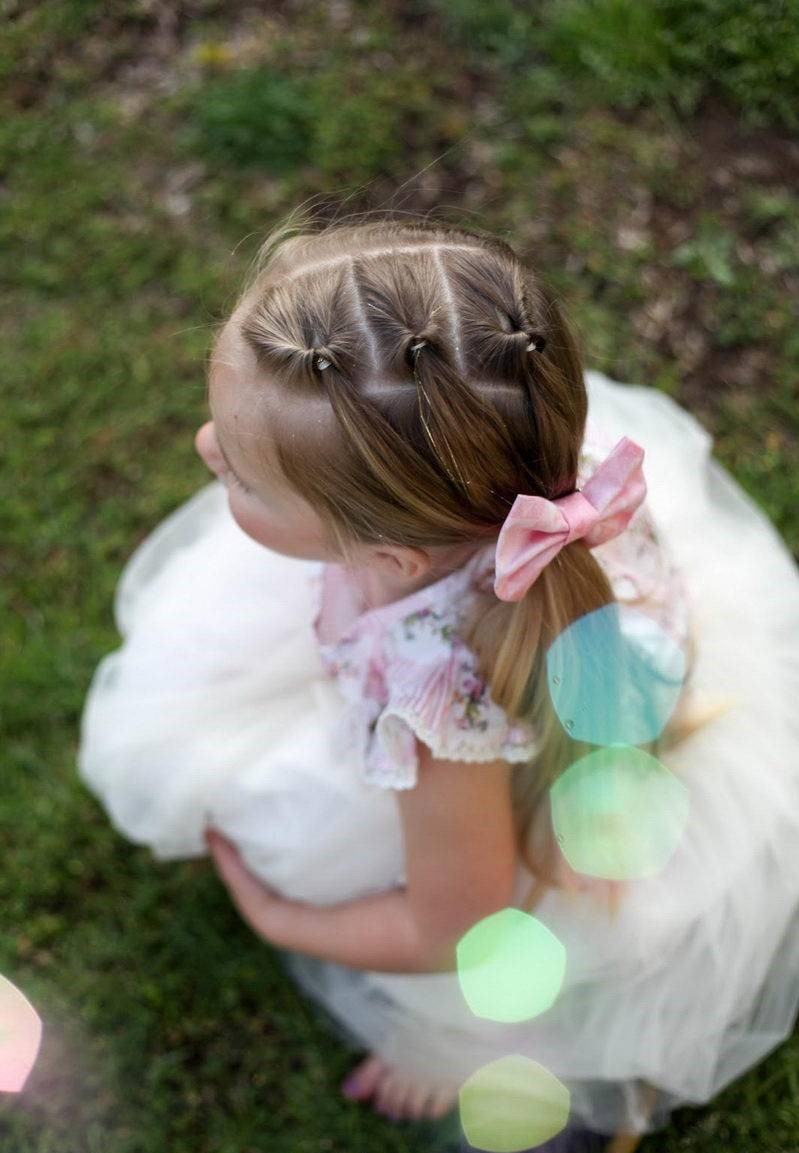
(401, 562)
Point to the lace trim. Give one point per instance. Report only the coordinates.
(404, 776)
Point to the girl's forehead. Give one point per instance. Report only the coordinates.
(235, 403)
(232, 361)
(252, 411)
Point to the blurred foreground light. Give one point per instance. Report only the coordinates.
(510, 966)
(511, 1105)
(618, 813)
(20, 1037)
(615, 676)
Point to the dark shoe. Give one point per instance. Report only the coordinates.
(569, 1140)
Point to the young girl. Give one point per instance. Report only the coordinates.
(334, 660)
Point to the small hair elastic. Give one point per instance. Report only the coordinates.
(537, 344)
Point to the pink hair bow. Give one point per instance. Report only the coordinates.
(536, 528)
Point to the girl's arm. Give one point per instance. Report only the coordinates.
(460, 858)
(460, 845)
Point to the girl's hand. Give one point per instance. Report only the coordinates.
(259, 905)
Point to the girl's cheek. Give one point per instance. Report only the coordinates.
(255, 526)
(258, 526)
(289, 539)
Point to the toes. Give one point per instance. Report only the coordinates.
(404, 1099)
(364, 1078)
(441, 1102)
(391, 1096)
(396, 1095)
(416, 1103)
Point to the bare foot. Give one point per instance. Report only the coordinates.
(398, 1094)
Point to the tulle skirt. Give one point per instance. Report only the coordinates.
(216, 707)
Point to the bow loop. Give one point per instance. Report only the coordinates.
(536, 529)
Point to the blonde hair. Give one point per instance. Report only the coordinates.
(334, 313)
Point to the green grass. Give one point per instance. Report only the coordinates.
(125, 236)
(672, 54)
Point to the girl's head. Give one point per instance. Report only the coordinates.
(359, 445)
(348, 453)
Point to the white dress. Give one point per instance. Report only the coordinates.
(220, 704)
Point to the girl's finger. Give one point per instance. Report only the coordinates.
(222, 850)
(214, 837)
(250, 895)
(235, 871)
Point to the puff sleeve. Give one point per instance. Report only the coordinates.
(432, 691)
